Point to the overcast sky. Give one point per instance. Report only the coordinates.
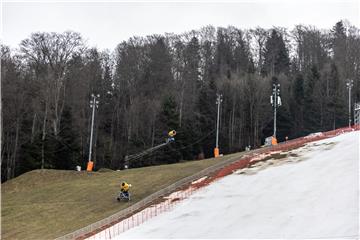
(105, 24)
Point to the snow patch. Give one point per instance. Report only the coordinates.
(312, 135)
(199, 180)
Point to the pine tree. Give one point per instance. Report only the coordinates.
(30, 156)
(192, 61)
(242, 57)
(336, 108)
(158, 72)
(311, 110)
(168, 120)
(206, 119)
(191, 79)
(208, 58)
(69, 155)
(297, 106)
(276, 57)
(299, 89)
(285, 123)
(223, 55)
(339, 46)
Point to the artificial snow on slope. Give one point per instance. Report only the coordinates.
(314, 194)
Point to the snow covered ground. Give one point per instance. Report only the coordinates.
(313, 194)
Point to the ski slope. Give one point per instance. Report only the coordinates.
(313, 194)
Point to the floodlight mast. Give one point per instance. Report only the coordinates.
(275, 101)
(218, 102)
(94, 103)
(349, 85)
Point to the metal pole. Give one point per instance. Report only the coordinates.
(349, 85)
(92, 126)
(218, 117)
(275, 103)
(350, 106)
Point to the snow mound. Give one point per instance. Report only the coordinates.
(312, 135)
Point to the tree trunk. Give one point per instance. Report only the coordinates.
(43, 138)
(59, 106)
(229, 133)
(13, 165)
(8, 159)
(153, 134)
(33, 129)
(251, 123)
(111, 150)
(181, 106)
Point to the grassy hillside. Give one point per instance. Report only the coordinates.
(45, 204)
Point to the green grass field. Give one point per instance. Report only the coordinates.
(45, 204)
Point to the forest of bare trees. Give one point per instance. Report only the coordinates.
(150, 85)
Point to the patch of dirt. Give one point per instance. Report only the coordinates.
(330, 145)
(293, 155)
(279, 155)
(175, 199)
(275, 159)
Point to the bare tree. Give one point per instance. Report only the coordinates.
(50, 54)
(260, 35)
(53, 51)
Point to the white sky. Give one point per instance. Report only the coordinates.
(105, 24)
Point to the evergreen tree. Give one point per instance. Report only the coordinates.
(223, 55)
(297, 105)
(30, 156)
(285, 123)
(208, 59)
(168, 120)
(191, 79)
(299, 89)
(192, 62)
(336, 108)
(276, 56)
(339, 45)
(206, 119)
(158, 72)
(243, 62)
(311, 111)
(67, 151)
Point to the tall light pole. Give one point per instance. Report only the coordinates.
(349, 85)
(218, 102)
(275, 101)
(94, 103)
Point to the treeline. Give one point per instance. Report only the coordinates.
(150, 85)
